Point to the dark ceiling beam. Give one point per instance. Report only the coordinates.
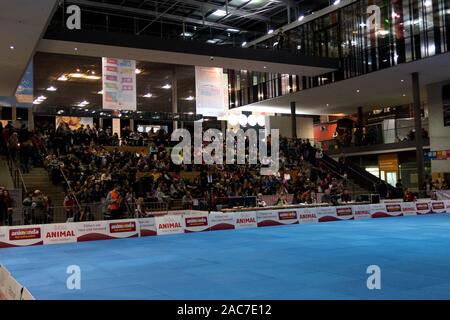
(150, 13)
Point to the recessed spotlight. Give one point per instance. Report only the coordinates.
(138, 71)
(148, 95)
(76, 49)
(11, 47)
(63, 78)
(301, 18)
(51, 88)
(402, 80)
(190, 98)
(166, 86)
(244, 44)
(358, 90)
(270, 31)
(219, 13)
(404, 95)
(265, 67)
(100, 92)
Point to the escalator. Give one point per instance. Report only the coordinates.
(358, 175)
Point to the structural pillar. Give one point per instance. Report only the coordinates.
(418, 127)
(131, 124)
(293, 120)
(174, 97)
(30, 119)
(13, 113)
(100, 123)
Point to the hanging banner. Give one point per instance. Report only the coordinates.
(209, 91)
(221, 221)
(307, 215)
(119, 84)
(361, 212)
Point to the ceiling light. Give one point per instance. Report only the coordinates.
(37, 102)
(92, 77)
(148, 95)
(428, 3)
(244, 43)
(76, 75)
(41, 98)
(186, 34)
(92, 72)
(336, 2)
(138, 71)
(51, 88)
(232, 30)
(301, 18)
(190, 98)
(265, 67)
(219, 13)
(63, 78)
(100, 92)
(11, 47)
(270, 31)
(404, 95)
(402, 80)
(76, 49)
(357, 90)
(166, 86)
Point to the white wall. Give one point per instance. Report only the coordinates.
(439, 135)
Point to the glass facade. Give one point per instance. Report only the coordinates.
(366, 36)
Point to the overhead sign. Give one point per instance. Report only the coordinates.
(119, 84)
(209, 91)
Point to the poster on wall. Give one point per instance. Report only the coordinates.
(209, 86)
(74, 122)
(24, 92)
(119, 84)
(446, 104)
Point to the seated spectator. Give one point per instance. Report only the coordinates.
(345, 196)
(409, 196)
(281, 200)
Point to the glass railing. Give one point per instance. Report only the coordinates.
(374, 135)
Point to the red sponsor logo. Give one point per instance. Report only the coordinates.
(197, 222)
(111, 69)
(169, 225)
(287, 215)
(393, 208)
(245, 220)
(438, 205)
(119, 227)
(25, 234)
(59, 234)
(111, 61)
(422, 206)
(344, 211)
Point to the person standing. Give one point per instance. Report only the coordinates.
(114, 202)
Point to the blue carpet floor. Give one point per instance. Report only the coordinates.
(318, 261)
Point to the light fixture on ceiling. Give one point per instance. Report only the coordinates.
(233, 30)
(358, 91)
(76, 75)
(51, 88)
(270, 31)
(76, 49)
(11, 47)
(138, 71)
(301, 18)
(83, 103)
(100, 92)
(219, 13)
(190, 98)
(244, 44)
(336, 2)
(186, 34)
(63, 78)
(91, 77)
(148, 95)
(166, 86)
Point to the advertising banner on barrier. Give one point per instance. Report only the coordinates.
(245, 219)
(172, 224)
(120, 229)
(447, 206)
(59, 233)
(221, 221)
(409, 209)
(147, 227)
(196, 221)
(438, 206)
(276, 217)
(361, 212)
(326, 214)
(423, 207)
(20, 236)
(307, 215)
(385, 210)
(93, 230)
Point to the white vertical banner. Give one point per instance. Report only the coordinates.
(209, 90)
(119, 84)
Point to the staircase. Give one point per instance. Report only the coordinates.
(38, 179)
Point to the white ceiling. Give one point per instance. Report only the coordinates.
(378, 89)
(95, 50)
(22, 23)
